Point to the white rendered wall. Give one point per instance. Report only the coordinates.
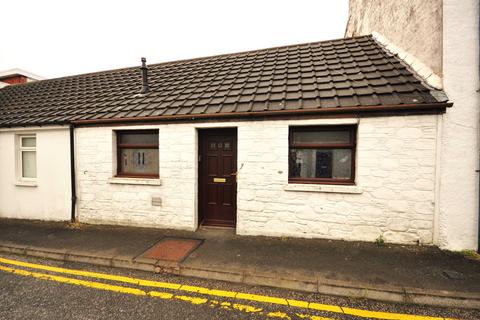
(50, 198)
(394, 197)
(458, 210)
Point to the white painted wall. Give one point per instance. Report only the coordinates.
(458, 210)
(394, 196)
(49, 197)
(107, 201)
(395, 175)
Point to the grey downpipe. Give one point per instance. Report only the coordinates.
(72, 172)
(478, 151)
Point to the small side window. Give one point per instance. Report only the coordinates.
(137, 154)
(323, 154)
(28, 157)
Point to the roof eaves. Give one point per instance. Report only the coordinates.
(440, 106)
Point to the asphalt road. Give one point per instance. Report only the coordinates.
(29, 293)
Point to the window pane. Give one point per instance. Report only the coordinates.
(139, 161)
(321, 137)
(29, 164)
(321, 163)
(139, 138)
(29, 142)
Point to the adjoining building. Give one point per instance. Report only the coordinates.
(16, 76)
(439, 39)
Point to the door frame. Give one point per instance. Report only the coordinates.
(202, 134)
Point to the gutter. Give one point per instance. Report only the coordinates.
(254, 114)
(72, 172)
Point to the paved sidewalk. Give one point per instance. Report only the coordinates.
(424, 275)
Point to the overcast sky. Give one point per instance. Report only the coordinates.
(56, 38)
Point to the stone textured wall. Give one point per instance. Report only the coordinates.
(395, 171)
(413, 25)
(394, 197)
(101, 201)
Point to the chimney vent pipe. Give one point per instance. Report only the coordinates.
(144, 68)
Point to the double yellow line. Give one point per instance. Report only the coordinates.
(209, 294)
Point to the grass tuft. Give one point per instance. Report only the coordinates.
(74, 225)
(380, 241)
(471, 254)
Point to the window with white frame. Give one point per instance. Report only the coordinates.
(28, 157)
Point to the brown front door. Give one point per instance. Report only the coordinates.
(217, 177)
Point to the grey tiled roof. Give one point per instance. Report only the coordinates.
(345, 73)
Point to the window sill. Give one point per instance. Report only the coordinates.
(323, 188)
(138, 181)
(21, 183)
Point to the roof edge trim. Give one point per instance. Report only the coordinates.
(366, 109)
(20, 72)
(34, 128)
(425, 72)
